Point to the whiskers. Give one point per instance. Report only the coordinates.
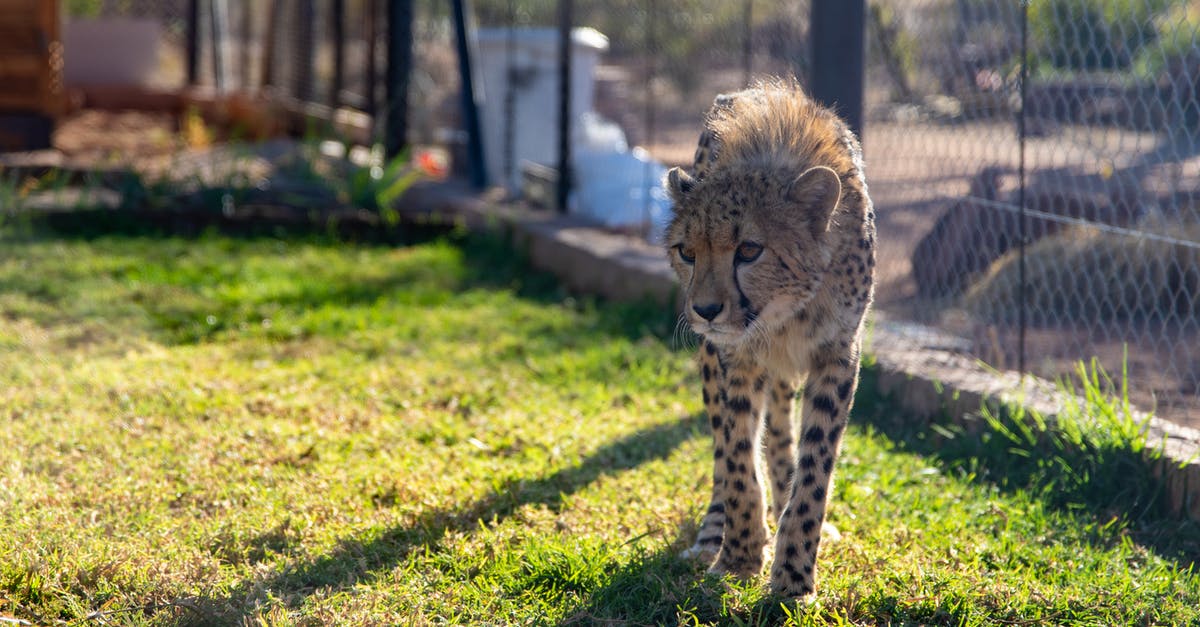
(758, 340)
(683, 337)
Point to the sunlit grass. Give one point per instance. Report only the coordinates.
(230, 431)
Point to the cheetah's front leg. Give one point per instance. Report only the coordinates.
(828, 396)
(745, 533)
(708, 539)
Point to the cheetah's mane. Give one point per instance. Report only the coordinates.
(780, 130)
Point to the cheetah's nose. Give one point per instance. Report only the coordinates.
(708, 312)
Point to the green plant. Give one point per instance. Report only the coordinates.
(1093, 34)
(83, 8)
(377, 188)
(1176, 33)
(1095, 452)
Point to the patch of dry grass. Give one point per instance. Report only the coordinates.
(1087, 276)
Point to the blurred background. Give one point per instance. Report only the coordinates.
(1034, 166)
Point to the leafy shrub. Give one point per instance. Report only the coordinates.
(1176, 34)
(1093, 34)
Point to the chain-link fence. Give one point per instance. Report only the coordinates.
(1053, 220)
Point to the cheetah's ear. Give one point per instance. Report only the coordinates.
(679, 183)
(816, 194)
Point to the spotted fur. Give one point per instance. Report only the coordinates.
(773, 239)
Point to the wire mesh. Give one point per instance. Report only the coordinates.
(1107, 141)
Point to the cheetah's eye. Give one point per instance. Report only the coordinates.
(748, 251)
(686, 255)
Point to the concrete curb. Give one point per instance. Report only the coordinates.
(920, 369)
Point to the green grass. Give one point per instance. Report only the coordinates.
(263, 431)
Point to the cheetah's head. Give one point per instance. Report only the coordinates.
(750, 248)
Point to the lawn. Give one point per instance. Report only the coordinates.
(300, 431)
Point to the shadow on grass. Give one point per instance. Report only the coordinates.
(378, 551)
(653, 589)
(1105, 480)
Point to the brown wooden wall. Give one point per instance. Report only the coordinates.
(31, 57)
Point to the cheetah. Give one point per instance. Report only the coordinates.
(773, 238)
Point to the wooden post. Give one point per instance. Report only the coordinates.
(31, 58)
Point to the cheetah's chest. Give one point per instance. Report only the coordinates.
(792, 348)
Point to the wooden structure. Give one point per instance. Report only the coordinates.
(31, 62)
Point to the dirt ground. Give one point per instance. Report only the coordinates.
(134, 139)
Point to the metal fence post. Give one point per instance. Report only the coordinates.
(399, 67)
(267, 72)
(1022, 288)
(193, 42)
(218, 11)
(339, 52)
(651, 53)
(564, 104)
(246, 43)
(510, 96)
(470, 102)
(838, 57)
(305, 45)
(748, 42)
(370, 22)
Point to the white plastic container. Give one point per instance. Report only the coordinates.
(536, 93)
(622, 190)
